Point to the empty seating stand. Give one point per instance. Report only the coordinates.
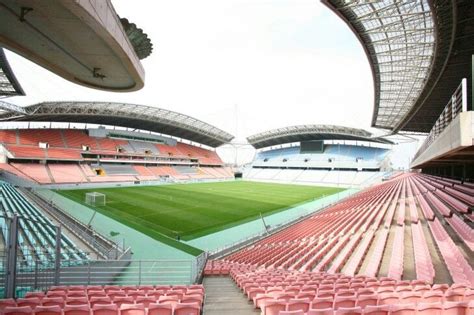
(292, 292)
(367, 235)
(34, 148)
(37, 234)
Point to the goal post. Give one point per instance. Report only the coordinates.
(95, 199)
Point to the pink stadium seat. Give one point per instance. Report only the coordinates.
(120, 300)
(430, 308)
(145, 300)
(105, 309)
(323, 311)
(365, 300)
(388, 299)
(322, 303)
(76, 300)
(51, 301)
(344, 302)
(31, 302)
(291, 313)
(298, 304)
(377, 310)
(403, 309)
(132, 309)
(453, 296)
(99, 300)
(77, 310)
(273, 307)
(48, 310)
(188, 309)
(17, 310)
(160, 309)
(455, 308)
(6, 302)
(38, 295)
(348, 310)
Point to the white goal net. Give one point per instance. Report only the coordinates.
(95, 199)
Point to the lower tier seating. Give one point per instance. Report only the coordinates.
(62, 173)
(283, 292)
(37, 237)
(401, 229)
(110, 300)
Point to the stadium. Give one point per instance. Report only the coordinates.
(122, 208)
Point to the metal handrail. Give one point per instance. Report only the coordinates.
(456, 105)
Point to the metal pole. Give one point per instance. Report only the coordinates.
(57, 258)
(11, 258)
(464, 94)
(139, 272)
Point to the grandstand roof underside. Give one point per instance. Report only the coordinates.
(124, 115)
(419, 51)
(82, 41)
(310, 133)
(9, 85)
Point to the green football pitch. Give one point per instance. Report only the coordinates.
(193, 210)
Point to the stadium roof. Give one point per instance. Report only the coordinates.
(81, 41)
(9, 85)
(124, 115)
(418, 51)
(310, 132)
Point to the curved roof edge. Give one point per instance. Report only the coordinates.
(125, 115)
(9, 85)
(82, 41)
(311, 132)
(406, 48)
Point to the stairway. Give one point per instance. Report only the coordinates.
(224, 297)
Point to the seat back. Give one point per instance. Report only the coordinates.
(17, 310)
(132, 309)
(77, 309)
(104, 309)
(160, 309)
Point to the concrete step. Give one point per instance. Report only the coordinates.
(224, 297)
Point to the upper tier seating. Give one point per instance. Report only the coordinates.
(372, 233)
(78, 138)
(142, 147)
(33, 136)
(335, 152)
(68, 144)
(8, 136)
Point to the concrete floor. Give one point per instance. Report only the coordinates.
(224, 297)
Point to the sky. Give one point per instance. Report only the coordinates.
(245, 66)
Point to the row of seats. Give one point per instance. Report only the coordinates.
(356, 235)
(448, 308)
(107, 309)
(110, 299)
(275, 291)
(62, 173)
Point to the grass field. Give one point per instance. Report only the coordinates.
(194, 210)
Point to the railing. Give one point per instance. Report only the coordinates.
(241, 243)
(26, 266)
(105, 247)
(456, 105)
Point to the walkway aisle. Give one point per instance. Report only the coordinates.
(224, 297)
